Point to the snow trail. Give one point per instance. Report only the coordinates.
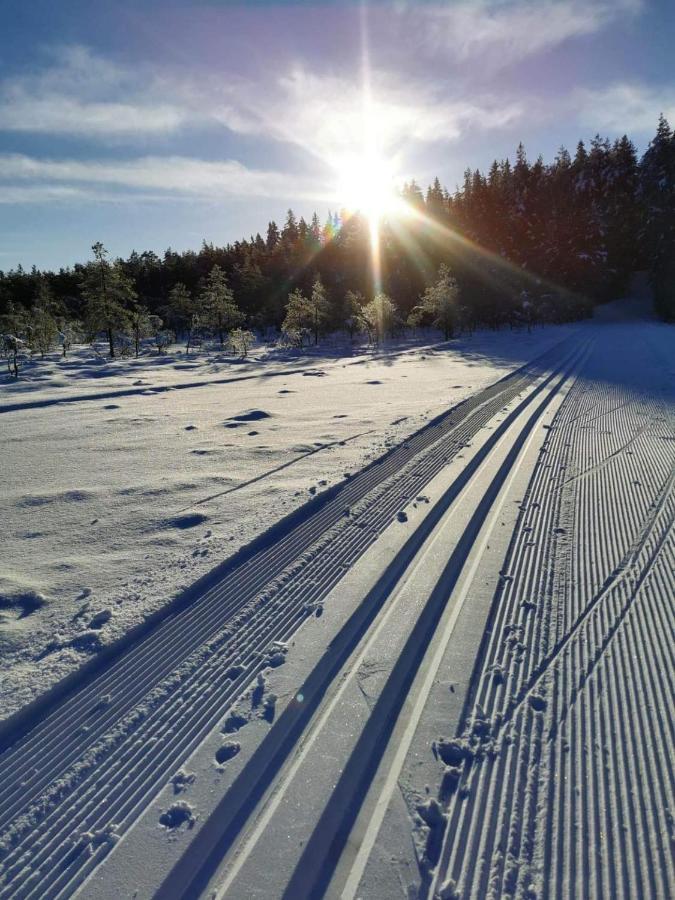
(86, 766)
(571, 779)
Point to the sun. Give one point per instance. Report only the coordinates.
(367, 184)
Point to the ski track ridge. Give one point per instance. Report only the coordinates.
(570, 788)
(146, 712)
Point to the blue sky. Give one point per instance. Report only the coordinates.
(147, 124)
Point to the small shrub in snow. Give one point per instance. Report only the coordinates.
(14, 350)
(241, 341)
(162, 340)
(380, 318)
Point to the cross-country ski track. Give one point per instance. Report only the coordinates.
(451, 676)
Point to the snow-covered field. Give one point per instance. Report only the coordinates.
(452, 679)
(111, 505)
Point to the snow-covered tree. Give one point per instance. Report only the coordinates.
(217, 309)
(41, 331)
(297, 324)
(439, 305)
(380, 317)
(143, 324)
(351, 313)
(241, 341)
(306, 315)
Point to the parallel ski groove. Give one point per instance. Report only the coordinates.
(34, 844)
(597, 763)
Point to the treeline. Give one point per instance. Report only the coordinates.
(522, 242)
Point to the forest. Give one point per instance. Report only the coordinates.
(523, 243)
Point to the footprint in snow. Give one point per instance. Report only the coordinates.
(228, 751)
(100, 619)
(537, 703)
(181, 780)
(177, 815)
(233, 723)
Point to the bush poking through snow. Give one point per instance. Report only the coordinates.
(241, 341)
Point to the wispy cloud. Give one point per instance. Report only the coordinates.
(327, 114)
(625, 107)
(160, 175)
(22, 194)
(322, 115)
(83, 95)
(502, 32)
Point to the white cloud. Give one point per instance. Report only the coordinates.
(324, 116)
(61, 115)
(10, 193)
(162, 176)
(625, 107)
(501, 33)
(331, 116)
(84, 95)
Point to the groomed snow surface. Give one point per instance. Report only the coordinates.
(111, 506)
(453, 678)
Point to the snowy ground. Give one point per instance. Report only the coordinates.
(122, 482)
(453, 679)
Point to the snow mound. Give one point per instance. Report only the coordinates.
(189, 520)
(20, 603)
(251, 415)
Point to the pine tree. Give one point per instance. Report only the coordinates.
(217, 308)
(41, 331)
(107, 293)
(298, 321)
(351, 314)
(143, 324)
(657, 185)
(41, 328)
(290, 233)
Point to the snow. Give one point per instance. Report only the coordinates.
(482, 647)
(124, 481)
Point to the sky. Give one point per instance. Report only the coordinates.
(148, 125)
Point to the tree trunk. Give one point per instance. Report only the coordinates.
(111, 343)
